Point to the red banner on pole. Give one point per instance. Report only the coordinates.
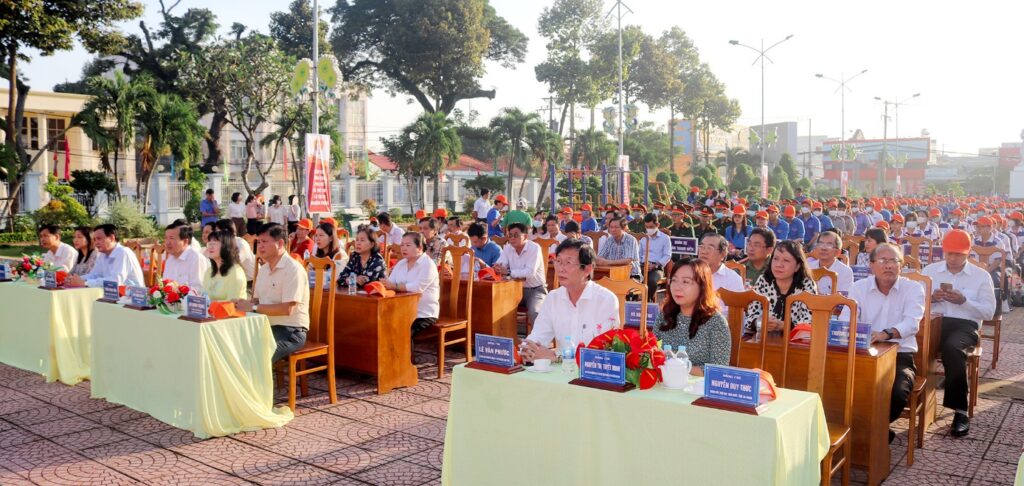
(67, 160)
(318, 183)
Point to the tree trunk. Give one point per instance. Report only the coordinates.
(437, 191)
(12, 95)
(217, 124)
(117, 157)
(543, 186)
(511, 164)
(147, 165)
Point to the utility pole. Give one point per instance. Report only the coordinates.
(618, 13)
(807, 167)
(551, 112)
(315, 93)
(842, 118)
(885, 149)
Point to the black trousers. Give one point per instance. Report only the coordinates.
(289, 339)
(906, 371)
(958, 335)
(653, 276)
(422, 323)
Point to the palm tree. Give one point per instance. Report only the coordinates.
(731, 158)
(168, 124)
(511, 128)
(547, 147)
(592, 149)
(119, 100)
(437, 145)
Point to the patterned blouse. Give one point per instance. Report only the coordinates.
(82, 268)
(711, 345)
(752, 323)
(434, 248)
(374, 269)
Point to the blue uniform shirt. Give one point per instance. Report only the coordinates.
(811, 227)
(737, 238)
(826, 222)
(589, 224)
(781, 229)
(796, 230)
(492, 216)
(489, 253)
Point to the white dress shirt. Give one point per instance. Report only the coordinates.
(727, 278)
(62, 259)
(481, 206)
(120, 265)
(529, 265)
(276, 214)
(245, 257)
(187, 269)
(595, 312)
(395, 235)
(422, 278)
(901, 309)
(236, 210)
(844, 276)
(286, 282)
(973, 282)
(661, 248)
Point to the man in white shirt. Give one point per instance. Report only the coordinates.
(579, 309)
(183, 265)
(659, 255)
(712, 251)
(417, 272)
(482, 206)
(963, 293)
(281, 292)
(522, 259)
(827, 249)
(393, 232)
(246, 258)
(893, 305)
(59, 255)
(114, 262)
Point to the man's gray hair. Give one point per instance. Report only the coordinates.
(723, 244)
(895, 249)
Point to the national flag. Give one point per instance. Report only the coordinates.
(67, 160)
(55, 163)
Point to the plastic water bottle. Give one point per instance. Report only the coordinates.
(568, 356)
(685, 358)
(352, 284)
(668, 351)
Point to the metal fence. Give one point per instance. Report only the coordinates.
(179, 195)
(369, 190)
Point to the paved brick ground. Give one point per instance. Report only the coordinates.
(55, 434)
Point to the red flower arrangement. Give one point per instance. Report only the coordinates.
(166, 294)
(643, 356)
(30, 267)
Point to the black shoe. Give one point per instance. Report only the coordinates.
(961, 425)
(892, 436)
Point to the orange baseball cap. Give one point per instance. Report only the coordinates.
(1017, 215)
(739, 210)
(694, 189)
(773, 209)
(882, 224)
(957, 241)
(586, 207)
(789, 212)
(762, 215)
(567, 210)
(500, 198)
(377, 288)
(934, 212)
(224, 310)
(330, 221)
(984, 221)
(897, 217)
(957, 212)
(488, 274)
(440, 213)
(306, 224)
(816, 205)
(420, 214)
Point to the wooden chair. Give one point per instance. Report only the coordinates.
(844, 259)
(392, 251)
(500, 240)
(738, 268)
(596, 236)
(915, 243)
(821, 307)
(819, 273)
(157, 256)
(663, 284)
(319, 338)
(852, 246)
(737, 304)
(547, 248)
(911, 264)
(915, 405)
(991, 258)
(350, 247)
(621, 289)
(454, 317)
(459, 240)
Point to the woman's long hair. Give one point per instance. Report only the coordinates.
(797, 252)
(707, 302)
(228, 252)
(332, 248)
(87, 233)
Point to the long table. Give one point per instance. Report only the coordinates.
(373, 335)
(494, 305)
(212, 378)
(47, 331)
(873, 376)
(532, 428)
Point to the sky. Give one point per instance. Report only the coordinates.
(967, 63)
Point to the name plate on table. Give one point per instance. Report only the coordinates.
(860, 273)
(729, 388)
(633, 311)
(111, 294)
(140, 298)
(197, 309)
(839, 334)
(682, 245)
(605, 370)
(495, 353)
(49, 280)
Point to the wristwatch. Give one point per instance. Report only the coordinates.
(888, 334)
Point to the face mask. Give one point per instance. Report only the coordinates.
(805, 210)
(903, 207)
(657, 212)
(954, 220)
(979, 214)
(750, 214)
(911, 224)
(855, 210)
(870, 210)
(537, 224)
(652, 231)
(718, 214)
(936, 220)
(833, 212)
(817, 213)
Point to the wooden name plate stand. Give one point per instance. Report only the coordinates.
(107, 301)
(53, 288)
(199, 320)
(476, 365)
(625, 387)
(728, 406)
(139, 308)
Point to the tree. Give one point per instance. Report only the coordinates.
(719, 112)
(118, 101)
(546, 148)
(167, 124)
(293, 30)
(735, 157)
(647, 146)
(789, 168)
(401, 149)
(433, 50)
(743, 179)
(254, 96)
(436, 145)
(780, 181)
(511, 128)
(593, 148)
(91, 183)
(484, 181)
(290, 127)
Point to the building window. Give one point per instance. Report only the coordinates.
(54, 132)
(30, 132)
(237, 152)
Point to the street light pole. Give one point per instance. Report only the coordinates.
(842, 114)
(761, 56)
(896, 108)
(316, 59)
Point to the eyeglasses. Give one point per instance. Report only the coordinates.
(566, 263)
(827, 245)
(683, 282)
(708, 247)
(889, 261)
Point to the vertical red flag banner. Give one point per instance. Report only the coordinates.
(764, 181)
(67, 160)
(318, 175)
(54, 160)
(844, 181)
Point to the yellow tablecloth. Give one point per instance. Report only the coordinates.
(1020, 472)
(532, 428)
(47, 331)
(212, 379)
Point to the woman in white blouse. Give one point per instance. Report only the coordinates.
(417, 272)
(236, 212)
(277, 212)
(292, 212)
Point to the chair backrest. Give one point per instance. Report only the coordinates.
(844, 259)
(915, 243)
(985, 257)
(255, 273)
(458, 240)
(321, 302)
(643, 241)
(737, 303)
(547, 246)
(819, 273)
(622, 288)
(392, 252)
(738, 268)
(638, 236)
(596, 236)
(157, 256)
(822, 307)
(912, 263)
(500, 240)
(350, 246)
(852, 246)
(923, 337)
(450, 308)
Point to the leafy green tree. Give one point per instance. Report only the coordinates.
(91, 183)
(647, 146)
(546, 147)
(734, 157)
(789, 167)
(167, 124)
(401, 149)
(293, 30)
(592, 148)
(780, 181)
(743, 179)
(511, 128)
(484, 181)
(62, 210)
(118, 100)
(291, 126)
(433, 50)
(699, 182)
(436, 144)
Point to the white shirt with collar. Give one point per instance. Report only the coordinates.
(236, 210)
(559, 237)
(844, 276)
(286, 282)
(596, 311)
(63, 258)
(973, 282)
(661, 248)
(187, 269)
(481, 206)
(727, 278)
(529, 265)
(245, 257)
(901, 309)
(120, 265)
(395, 235)
(422, 278)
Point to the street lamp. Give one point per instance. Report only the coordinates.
(761, 56)
(885, 138)
(842, 114)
